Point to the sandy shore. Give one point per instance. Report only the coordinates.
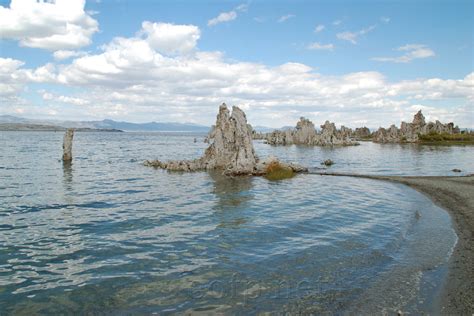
(456, 195)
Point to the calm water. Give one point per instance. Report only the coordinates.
(108, 235)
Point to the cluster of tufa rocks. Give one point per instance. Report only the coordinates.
(361, 133)
(231, 149)
(410, 132)
(306, 134)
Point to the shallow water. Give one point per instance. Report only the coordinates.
(108, 235)
(386, 159)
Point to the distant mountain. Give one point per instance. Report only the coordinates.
(263, 129)
(111, 124)
(152, 126)
(48, 128)
(12, 119)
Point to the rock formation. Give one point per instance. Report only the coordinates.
(361, 133)
(410, 132)
(330, 136)
(67, 144)
(231, 149)
(305, 134)
(280, 137)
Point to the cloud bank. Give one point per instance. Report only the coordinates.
(58, 25)
(160, 74)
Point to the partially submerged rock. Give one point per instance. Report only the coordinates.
(327, 162)
(67, 145)
(231, 149)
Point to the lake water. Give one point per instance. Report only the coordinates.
(107, 235)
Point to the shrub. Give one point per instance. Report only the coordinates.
(276, 171)
(444, 137)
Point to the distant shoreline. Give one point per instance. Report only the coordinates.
(19, 127)
(455, 194)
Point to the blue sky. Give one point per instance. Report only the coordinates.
(353, 62)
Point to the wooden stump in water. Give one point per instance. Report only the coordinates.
(67, 144)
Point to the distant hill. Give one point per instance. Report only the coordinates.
(48, 128)
(152, 126)
(110, 125)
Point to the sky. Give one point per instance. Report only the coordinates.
(355, 63)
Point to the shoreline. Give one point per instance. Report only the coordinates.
(455, 194)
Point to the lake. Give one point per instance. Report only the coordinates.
(108, 235)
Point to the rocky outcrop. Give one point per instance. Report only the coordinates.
(361, 133)
(390, 135)
(331, 136)
(231, 149)
(410, 132)
(67, 144)
(306, 134)
(280, 137)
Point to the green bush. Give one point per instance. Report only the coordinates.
(275, 171)
(443, 137)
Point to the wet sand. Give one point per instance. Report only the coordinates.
(456, 195)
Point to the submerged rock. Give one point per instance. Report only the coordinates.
(231, 149)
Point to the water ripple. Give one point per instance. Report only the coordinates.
(108, 235)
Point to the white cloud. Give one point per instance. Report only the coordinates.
(384, 19)
(170, 38)
(62, 24)
(412, 51)
(136, 79)
(319, 28)
(228, 16)
(336, 22)
(242, 8)
(62, 99)
(285, 18)
(319, 46)
(223, 17)
(10, 77)
(353, 36)
(348, 36)
(65, 54)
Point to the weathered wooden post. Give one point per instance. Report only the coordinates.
(67, 144)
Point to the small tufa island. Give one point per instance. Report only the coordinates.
(416, 131)
(305, 134)
(231, 151)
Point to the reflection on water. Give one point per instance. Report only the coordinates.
(372, 158)
(67, 179)
(108, 235)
